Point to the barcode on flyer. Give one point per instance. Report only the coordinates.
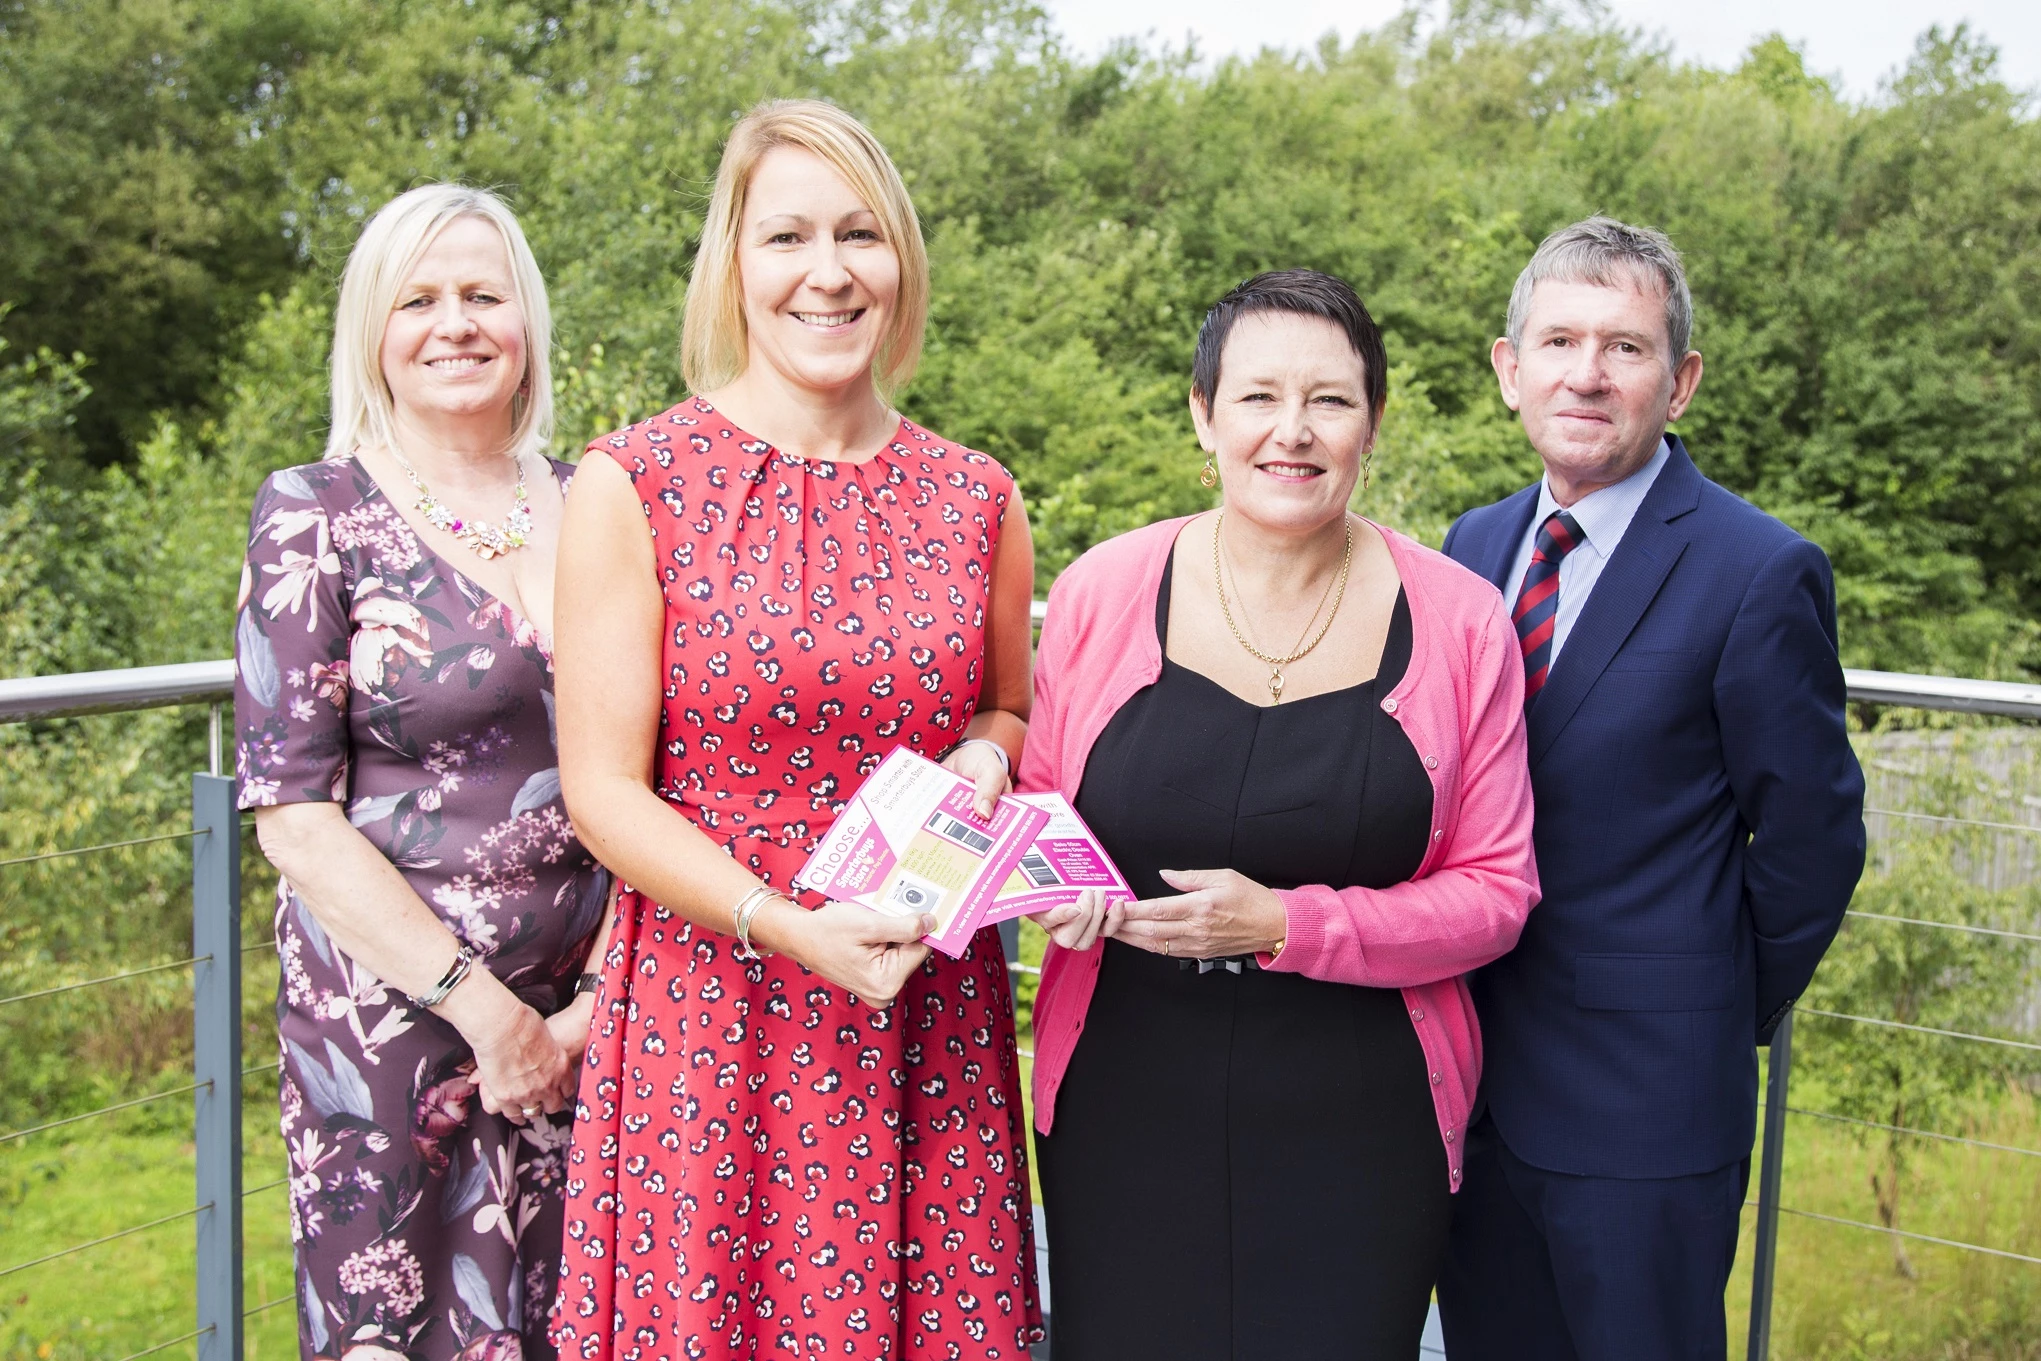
(1036, 867)
(943, 825)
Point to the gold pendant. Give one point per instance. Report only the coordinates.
(1275, 686)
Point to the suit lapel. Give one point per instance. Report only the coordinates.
(1650, 547)
(1500, 551)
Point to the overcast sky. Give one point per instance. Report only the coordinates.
(1858, 41)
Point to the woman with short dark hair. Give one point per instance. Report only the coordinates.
(1300, 735)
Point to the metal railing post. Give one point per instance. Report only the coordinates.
(216, 1035)
(1009, 937)
(1765, 1257)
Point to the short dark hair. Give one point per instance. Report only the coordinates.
(1303, 292)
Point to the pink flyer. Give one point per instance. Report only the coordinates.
(1064, 860)
(908, 842)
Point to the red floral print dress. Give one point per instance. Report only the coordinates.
(763, 1165)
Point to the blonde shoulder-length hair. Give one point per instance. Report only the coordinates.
(714, 348)
(384, 256)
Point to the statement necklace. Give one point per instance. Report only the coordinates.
(487, 540)
(1335, 590)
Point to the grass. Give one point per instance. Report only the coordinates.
(116, 1299)
(1839, 1296)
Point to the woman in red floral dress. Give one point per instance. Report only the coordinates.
(818, 1150)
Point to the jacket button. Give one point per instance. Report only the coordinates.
(1389, 705)
(1431, 763)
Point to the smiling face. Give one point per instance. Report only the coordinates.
(1290, 421)
(820, 280)
(453, 349)
(1594, 381)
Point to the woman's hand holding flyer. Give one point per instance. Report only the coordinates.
(911, 842)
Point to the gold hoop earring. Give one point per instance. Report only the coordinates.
(1209, 475)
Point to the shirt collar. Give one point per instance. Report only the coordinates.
(1604, 514)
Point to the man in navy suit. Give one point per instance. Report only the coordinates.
(1699, 832)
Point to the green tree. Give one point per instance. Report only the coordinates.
(139, 217)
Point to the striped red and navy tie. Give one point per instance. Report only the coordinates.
(1537, 611)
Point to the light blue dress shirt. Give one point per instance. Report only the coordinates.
(1603, 517)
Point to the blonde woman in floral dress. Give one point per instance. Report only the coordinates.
(393, 717)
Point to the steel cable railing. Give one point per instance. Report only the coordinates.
(262, 1308)
(166, 1346)
(1908, 1233)
(129, 1232)
(1944, 926)
(110, 978)
(1920, 1029)
(1776, 1108)
(102, 846)
(215, 962)
(1912, 1132)
(12, 1135)
(1952, 821)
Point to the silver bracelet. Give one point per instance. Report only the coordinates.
(1005, 761)
(464, 960)
(741, 915)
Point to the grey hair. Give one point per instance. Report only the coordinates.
(1601, 250)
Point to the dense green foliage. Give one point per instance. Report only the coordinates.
(183, 180)
(180, 181)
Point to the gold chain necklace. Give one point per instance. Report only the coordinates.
(1335, 591)
(1247, 625)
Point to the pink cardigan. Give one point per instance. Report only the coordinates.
(1462, 704)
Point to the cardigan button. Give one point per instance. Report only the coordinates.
(1435, 1079)
(1431, 763)
(1417, 1013)
(1439, 833)
(1449, 1136)
(1389, 705)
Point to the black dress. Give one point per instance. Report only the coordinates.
(1246, 1166)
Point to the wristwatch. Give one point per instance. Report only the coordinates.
(587, 983)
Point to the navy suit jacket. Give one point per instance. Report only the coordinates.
(1699, 833)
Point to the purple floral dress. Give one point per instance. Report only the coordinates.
(372, 673)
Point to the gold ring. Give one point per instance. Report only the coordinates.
(1166, 946)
